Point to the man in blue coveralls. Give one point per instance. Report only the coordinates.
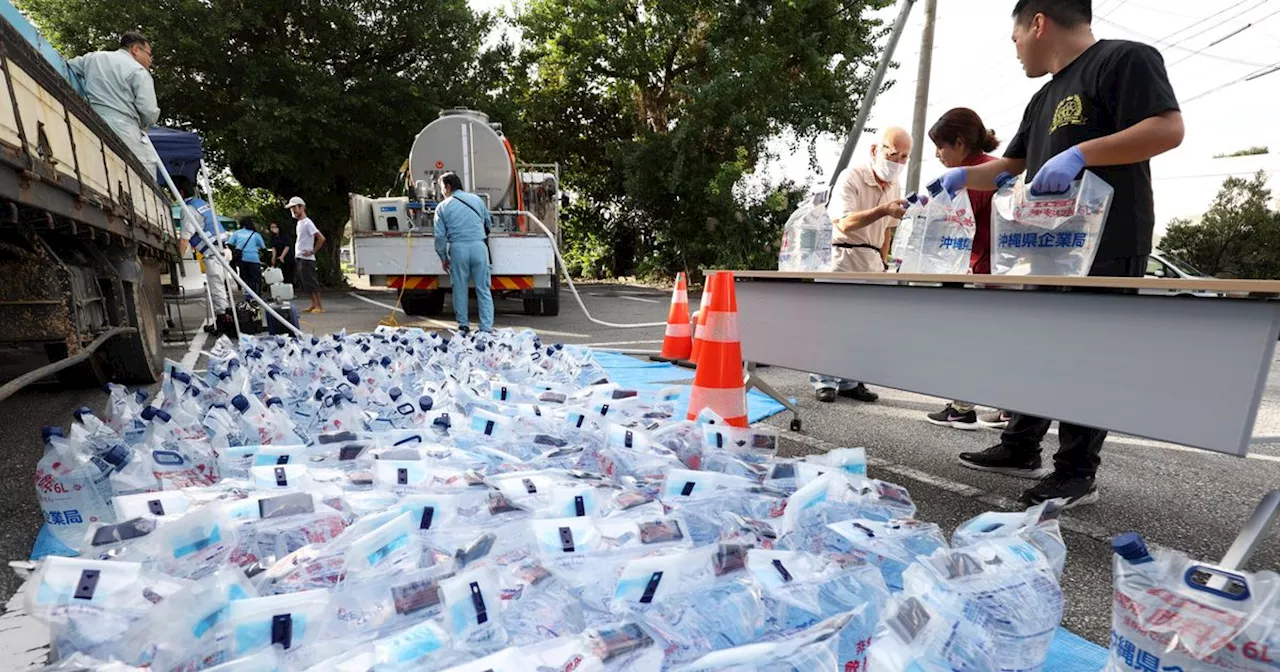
(462, 225)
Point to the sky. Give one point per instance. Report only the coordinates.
(974, 65)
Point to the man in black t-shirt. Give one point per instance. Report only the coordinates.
(1110, 108)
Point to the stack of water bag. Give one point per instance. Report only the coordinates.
(936, 234)
(806, 237)
(1048, 234)
(397, 500)
(1174, 613)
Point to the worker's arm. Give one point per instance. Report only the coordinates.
(983, 177)
(319, 242)
(863, 218)
(441, 237)
(144, 98)
(1141, 142)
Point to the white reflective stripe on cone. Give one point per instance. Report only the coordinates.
(679, 330)
(727, 403)
(720, 328)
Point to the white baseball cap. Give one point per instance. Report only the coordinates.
(295, 201)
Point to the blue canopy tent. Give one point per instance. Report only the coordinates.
(181, 151)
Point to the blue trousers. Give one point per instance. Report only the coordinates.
(469, 262)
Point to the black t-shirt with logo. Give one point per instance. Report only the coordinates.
(1113, 85)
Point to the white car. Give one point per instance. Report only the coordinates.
(1166, 266)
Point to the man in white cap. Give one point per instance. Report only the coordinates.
(308, 241)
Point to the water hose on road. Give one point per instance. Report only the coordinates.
(8, 389)
(564, 271)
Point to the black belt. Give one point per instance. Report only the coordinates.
(851, 246)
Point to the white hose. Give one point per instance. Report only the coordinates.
(189, 215)
(565, 272)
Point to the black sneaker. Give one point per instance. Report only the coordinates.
(996, 420)
(1074, 490)
(826, 395)
(1001, 460)
(949, 417)
(860, 392)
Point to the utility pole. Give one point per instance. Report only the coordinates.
(922, 96)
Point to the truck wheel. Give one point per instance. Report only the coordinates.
(551, 302)
(551, 306)
(138, 358)
(423, 304)
(533, 306)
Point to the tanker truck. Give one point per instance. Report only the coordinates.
(393, 237)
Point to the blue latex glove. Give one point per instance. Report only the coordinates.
(953, 180)
(1057, 174)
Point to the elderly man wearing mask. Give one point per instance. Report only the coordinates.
(865, 205)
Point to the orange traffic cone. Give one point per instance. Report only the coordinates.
(717, 384)
(678, 343)
(702, 318)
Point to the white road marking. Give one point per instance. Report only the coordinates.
(446, 325)
(636, 298)
(24, 641)
(612, 343)
(197, 345)
(548, 332)
(435, 323)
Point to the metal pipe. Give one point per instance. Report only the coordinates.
(8, 389)
(869, 100)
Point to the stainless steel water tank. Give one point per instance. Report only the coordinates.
(442, 146)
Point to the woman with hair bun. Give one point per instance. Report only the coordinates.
(963, 140)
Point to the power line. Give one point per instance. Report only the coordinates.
(1170, 36)
(1153, 40)
(1266, 70)
(1220, 23)
(1220, 40)
(1196, 177)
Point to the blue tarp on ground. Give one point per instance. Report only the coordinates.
(181, 151)
(650, 375)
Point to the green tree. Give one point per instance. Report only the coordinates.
(1238, 237)
(232, 199)
(659, 109)
(1257, 150)
(310, 98)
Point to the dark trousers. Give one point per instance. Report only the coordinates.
(251, 273)
(1079, 447)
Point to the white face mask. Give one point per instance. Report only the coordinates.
(886, 170)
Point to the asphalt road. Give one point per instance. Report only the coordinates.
(1176, 497)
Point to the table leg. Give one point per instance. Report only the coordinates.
(752, 379)
(1254, 532)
